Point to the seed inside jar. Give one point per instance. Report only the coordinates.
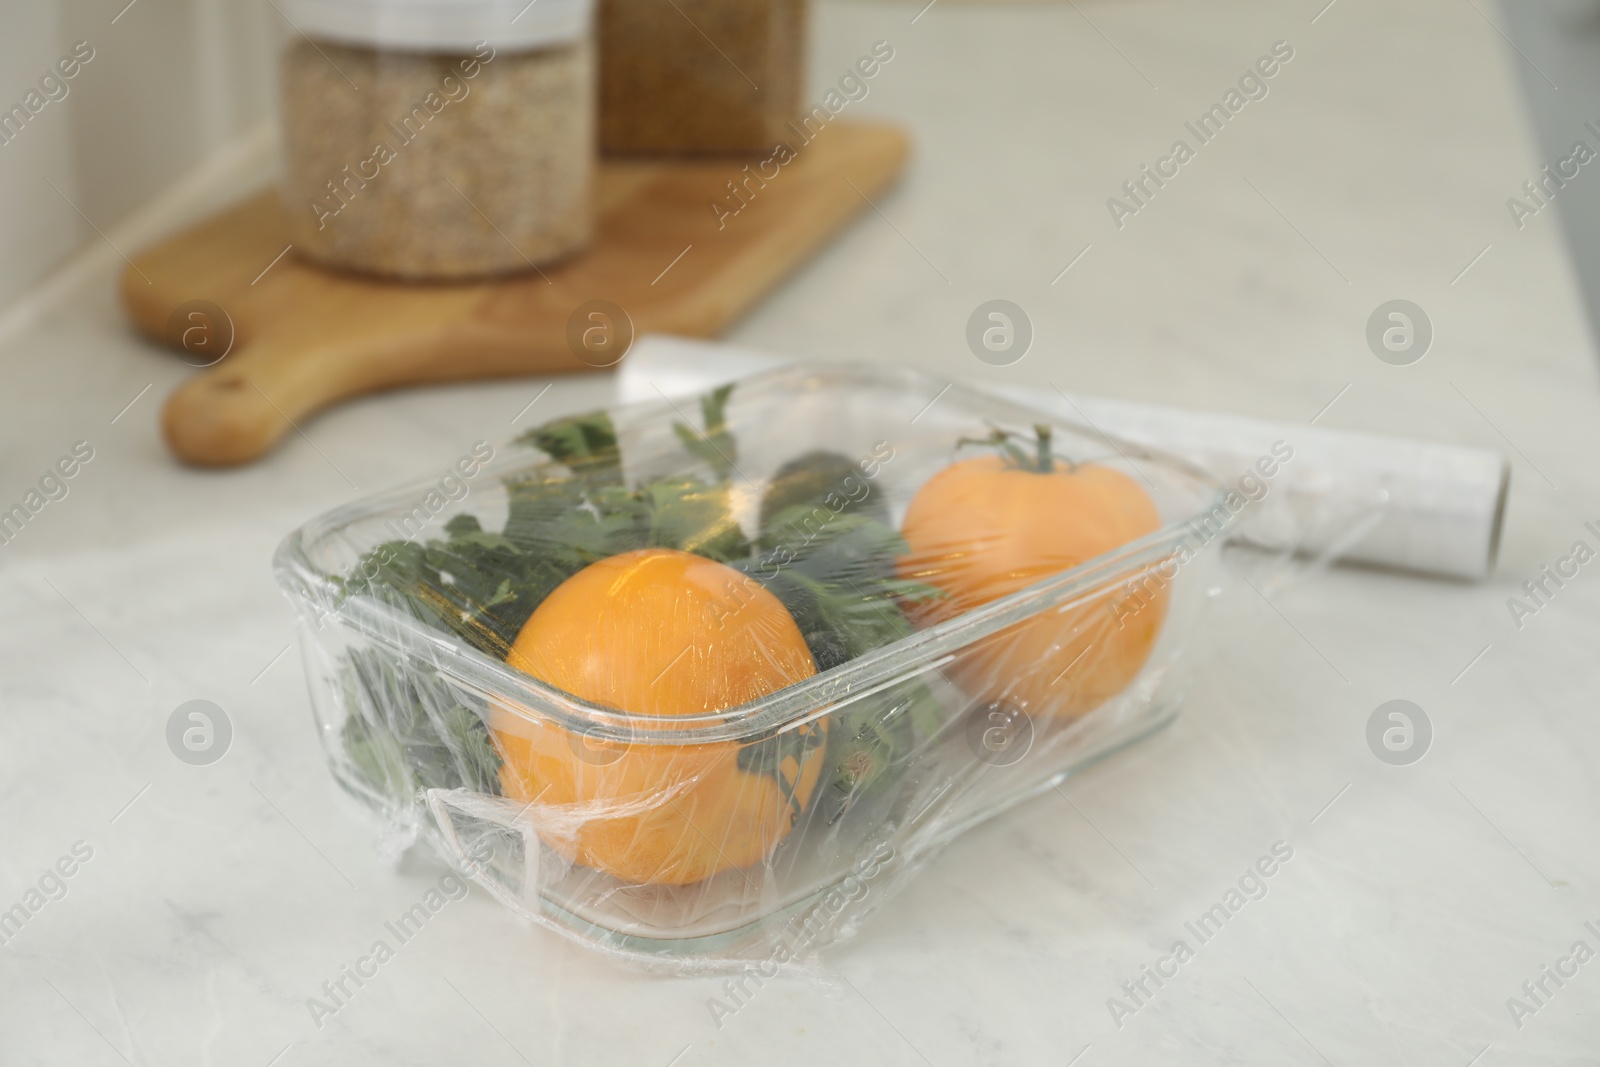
(425, 165)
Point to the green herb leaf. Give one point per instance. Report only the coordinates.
(407, 730)
(715, 447)
(586, 444)
(835, 573)
(688, 514)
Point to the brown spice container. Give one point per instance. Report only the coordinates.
(699, 77)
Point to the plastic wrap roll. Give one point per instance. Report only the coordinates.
(1437, 508)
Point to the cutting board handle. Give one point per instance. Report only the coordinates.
(222, 418)
(237, 410)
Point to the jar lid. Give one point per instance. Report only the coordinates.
(437, 25)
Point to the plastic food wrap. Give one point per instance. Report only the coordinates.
(1427, 507)
(701, 686)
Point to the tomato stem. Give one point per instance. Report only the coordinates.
(1047, 462)
(1013, 448)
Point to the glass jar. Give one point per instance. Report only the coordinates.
(438, 139)
(699, 76)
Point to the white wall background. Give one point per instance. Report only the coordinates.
(172, 84)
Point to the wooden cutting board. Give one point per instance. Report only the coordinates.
(294, 338)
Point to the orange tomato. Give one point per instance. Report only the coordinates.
(660, 633)
(987, 527)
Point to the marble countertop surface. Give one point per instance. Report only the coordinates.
(206, 904)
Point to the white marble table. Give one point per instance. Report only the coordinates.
(218, 899)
